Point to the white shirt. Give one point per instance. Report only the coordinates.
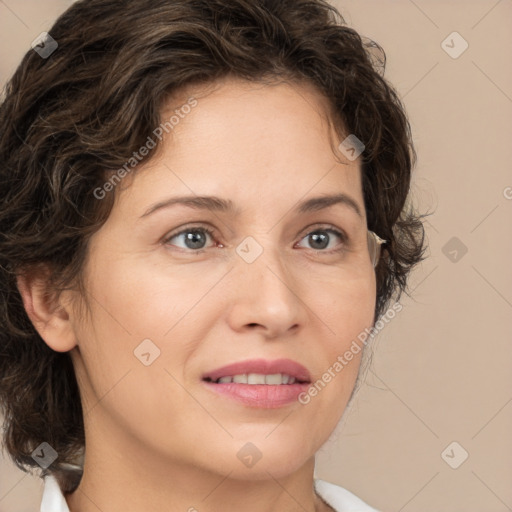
(337, 497)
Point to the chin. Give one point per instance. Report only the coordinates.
(276, 467)
(257, 458)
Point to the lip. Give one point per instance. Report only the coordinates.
(263, 396)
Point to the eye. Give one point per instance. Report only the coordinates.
(321, 237)
(195, 238)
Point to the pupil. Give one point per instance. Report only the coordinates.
(315, 237)
(194, 237)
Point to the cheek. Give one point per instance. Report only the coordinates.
(345, 309)
(140, 300)
(126, 308)
(131, 310)
(346, 312)
(346, 303)
(133, 302)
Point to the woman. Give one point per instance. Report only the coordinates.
(203, 211)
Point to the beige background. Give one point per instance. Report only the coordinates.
(441, 370)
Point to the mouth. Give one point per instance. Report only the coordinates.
(274, 379)
(259, 383)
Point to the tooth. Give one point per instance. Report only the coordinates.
(240, 379)
(255, 378)
(225, 379)
(273, 379)
(292, 380)
(286, 378)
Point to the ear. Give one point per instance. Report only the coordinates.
(46, 311)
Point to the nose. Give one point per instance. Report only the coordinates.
(266, 296)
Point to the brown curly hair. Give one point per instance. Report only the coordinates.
(69, 119)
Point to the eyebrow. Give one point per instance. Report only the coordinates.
(217, 204)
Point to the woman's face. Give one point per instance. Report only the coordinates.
(171, 303)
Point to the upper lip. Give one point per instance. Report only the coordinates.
(261, 366)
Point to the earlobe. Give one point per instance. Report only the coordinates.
(49, 317)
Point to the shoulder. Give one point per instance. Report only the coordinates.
(341, 499)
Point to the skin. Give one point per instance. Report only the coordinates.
(157, 439)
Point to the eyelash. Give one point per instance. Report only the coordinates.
(326, 228)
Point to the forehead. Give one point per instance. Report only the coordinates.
(248, 141)
(263, 119)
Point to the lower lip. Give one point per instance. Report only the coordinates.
(263, 396)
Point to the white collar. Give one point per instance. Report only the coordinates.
(337, 497)
(53, 499)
